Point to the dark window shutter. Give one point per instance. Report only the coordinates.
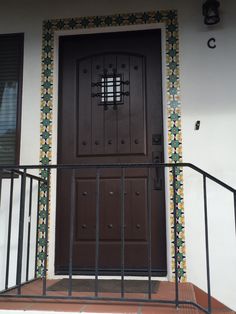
(11, 63)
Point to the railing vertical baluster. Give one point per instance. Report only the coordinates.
(149, 233)
(122, 220)
(46, 234)
(207, 245)
(97, 229)
(175, 238)
(9, 230)
(21, 233)
(72, 215)
(1, 170)
(29, 229)
(235, 210)
(37, 231)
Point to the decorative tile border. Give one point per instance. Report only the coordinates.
(169, 19)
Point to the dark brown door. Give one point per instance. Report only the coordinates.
(110, 111)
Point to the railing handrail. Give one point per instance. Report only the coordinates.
(121, 165)
(18, 172)
(211, 177)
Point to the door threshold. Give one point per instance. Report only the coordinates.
(153, 278)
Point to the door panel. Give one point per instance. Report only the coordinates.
(111, 132)
(84, 110)
(124, 114)
(137, 108)
(109, 112)
(135, 216)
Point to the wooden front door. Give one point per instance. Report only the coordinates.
(110, 111)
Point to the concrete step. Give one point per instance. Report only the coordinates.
(166, 291)
(202, 299)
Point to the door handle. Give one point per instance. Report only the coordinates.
(157, 158)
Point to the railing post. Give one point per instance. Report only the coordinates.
(1, 170)
(21, 233)
(175, 238)
(29, 229)
(46, 233)
(235, 210)
(149, 233)
(122, 220)
(71, 239)
(207, 245)
(9, 230)
(97, 229)
(37, 231)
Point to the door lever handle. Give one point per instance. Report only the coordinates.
(158, 171)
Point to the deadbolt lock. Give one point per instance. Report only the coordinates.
(156, 139)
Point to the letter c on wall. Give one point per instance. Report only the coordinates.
(211, 43)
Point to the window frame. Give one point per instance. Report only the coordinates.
(20, 42)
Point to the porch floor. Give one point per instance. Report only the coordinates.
(166, 291)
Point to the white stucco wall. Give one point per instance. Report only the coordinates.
(207, 91)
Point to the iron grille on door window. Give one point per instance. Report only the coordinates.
(111, 91)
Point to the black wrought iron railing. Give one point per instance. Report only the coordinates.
(34, 191)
